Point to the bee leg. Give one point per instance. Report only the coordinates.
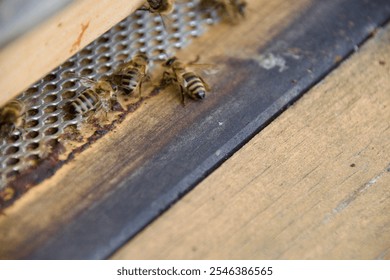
(103, 110)
(183, 99)
(117, 98)
(166, 79)
(105, 115)
(121, 103)
(206, 85)
(147, 78)
(166, 75)
(88, 117)
(195, 60)
(140, 89)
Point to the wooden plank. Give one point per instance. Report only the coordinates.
(314, 184)
(112, 190)
(30, 57)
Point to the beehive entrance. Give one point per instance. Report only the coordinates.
(46, 121)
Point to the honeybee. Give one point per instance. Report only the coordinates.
(12, 116)
(190, 83)
(231, 10)
(98, 96)
(162, 7)
(130, 76)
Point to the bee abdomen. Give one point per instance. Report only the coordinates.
(129, 80)
(195, 86)
(11, 112)
(87, 101)
(13, 106)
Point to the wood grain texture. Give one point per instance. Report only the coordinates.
(314, 184)
(82, 184)
(108, 193)
(33, 55)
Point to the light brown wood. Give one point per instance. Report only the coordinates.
(46, 208)
(314, 184)
(33, 55)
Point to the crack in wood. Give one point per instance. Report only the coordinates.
(358, 192)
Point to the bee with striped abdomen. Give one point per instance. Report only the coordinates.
(190, 83)
(12, 116)
(130, 76)
(98, 96)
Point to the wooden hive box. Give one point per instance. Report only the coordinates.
(286, 158)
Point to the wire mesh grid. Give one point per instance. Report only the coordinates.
(45, 119)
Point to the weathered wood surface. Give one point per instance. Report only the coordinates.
(314, 184)
(121, 183)
(33, 55)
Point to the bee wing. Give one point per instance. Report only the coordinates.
(28, 102)
(120, 67)
(208, 69)
(87, 82)
(83, 80)
(123, 65)
(212, 70)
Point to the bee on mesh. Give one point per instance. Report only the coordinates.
(12, 117)
(190, 83)
(98, 97)
(130, 76)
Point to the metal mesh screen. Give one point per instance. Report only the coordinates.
(46, 120)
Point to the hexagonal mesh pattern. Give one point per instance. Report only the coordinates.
(46, 120)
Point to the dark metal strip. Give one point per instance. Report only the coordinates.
(201, 146)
